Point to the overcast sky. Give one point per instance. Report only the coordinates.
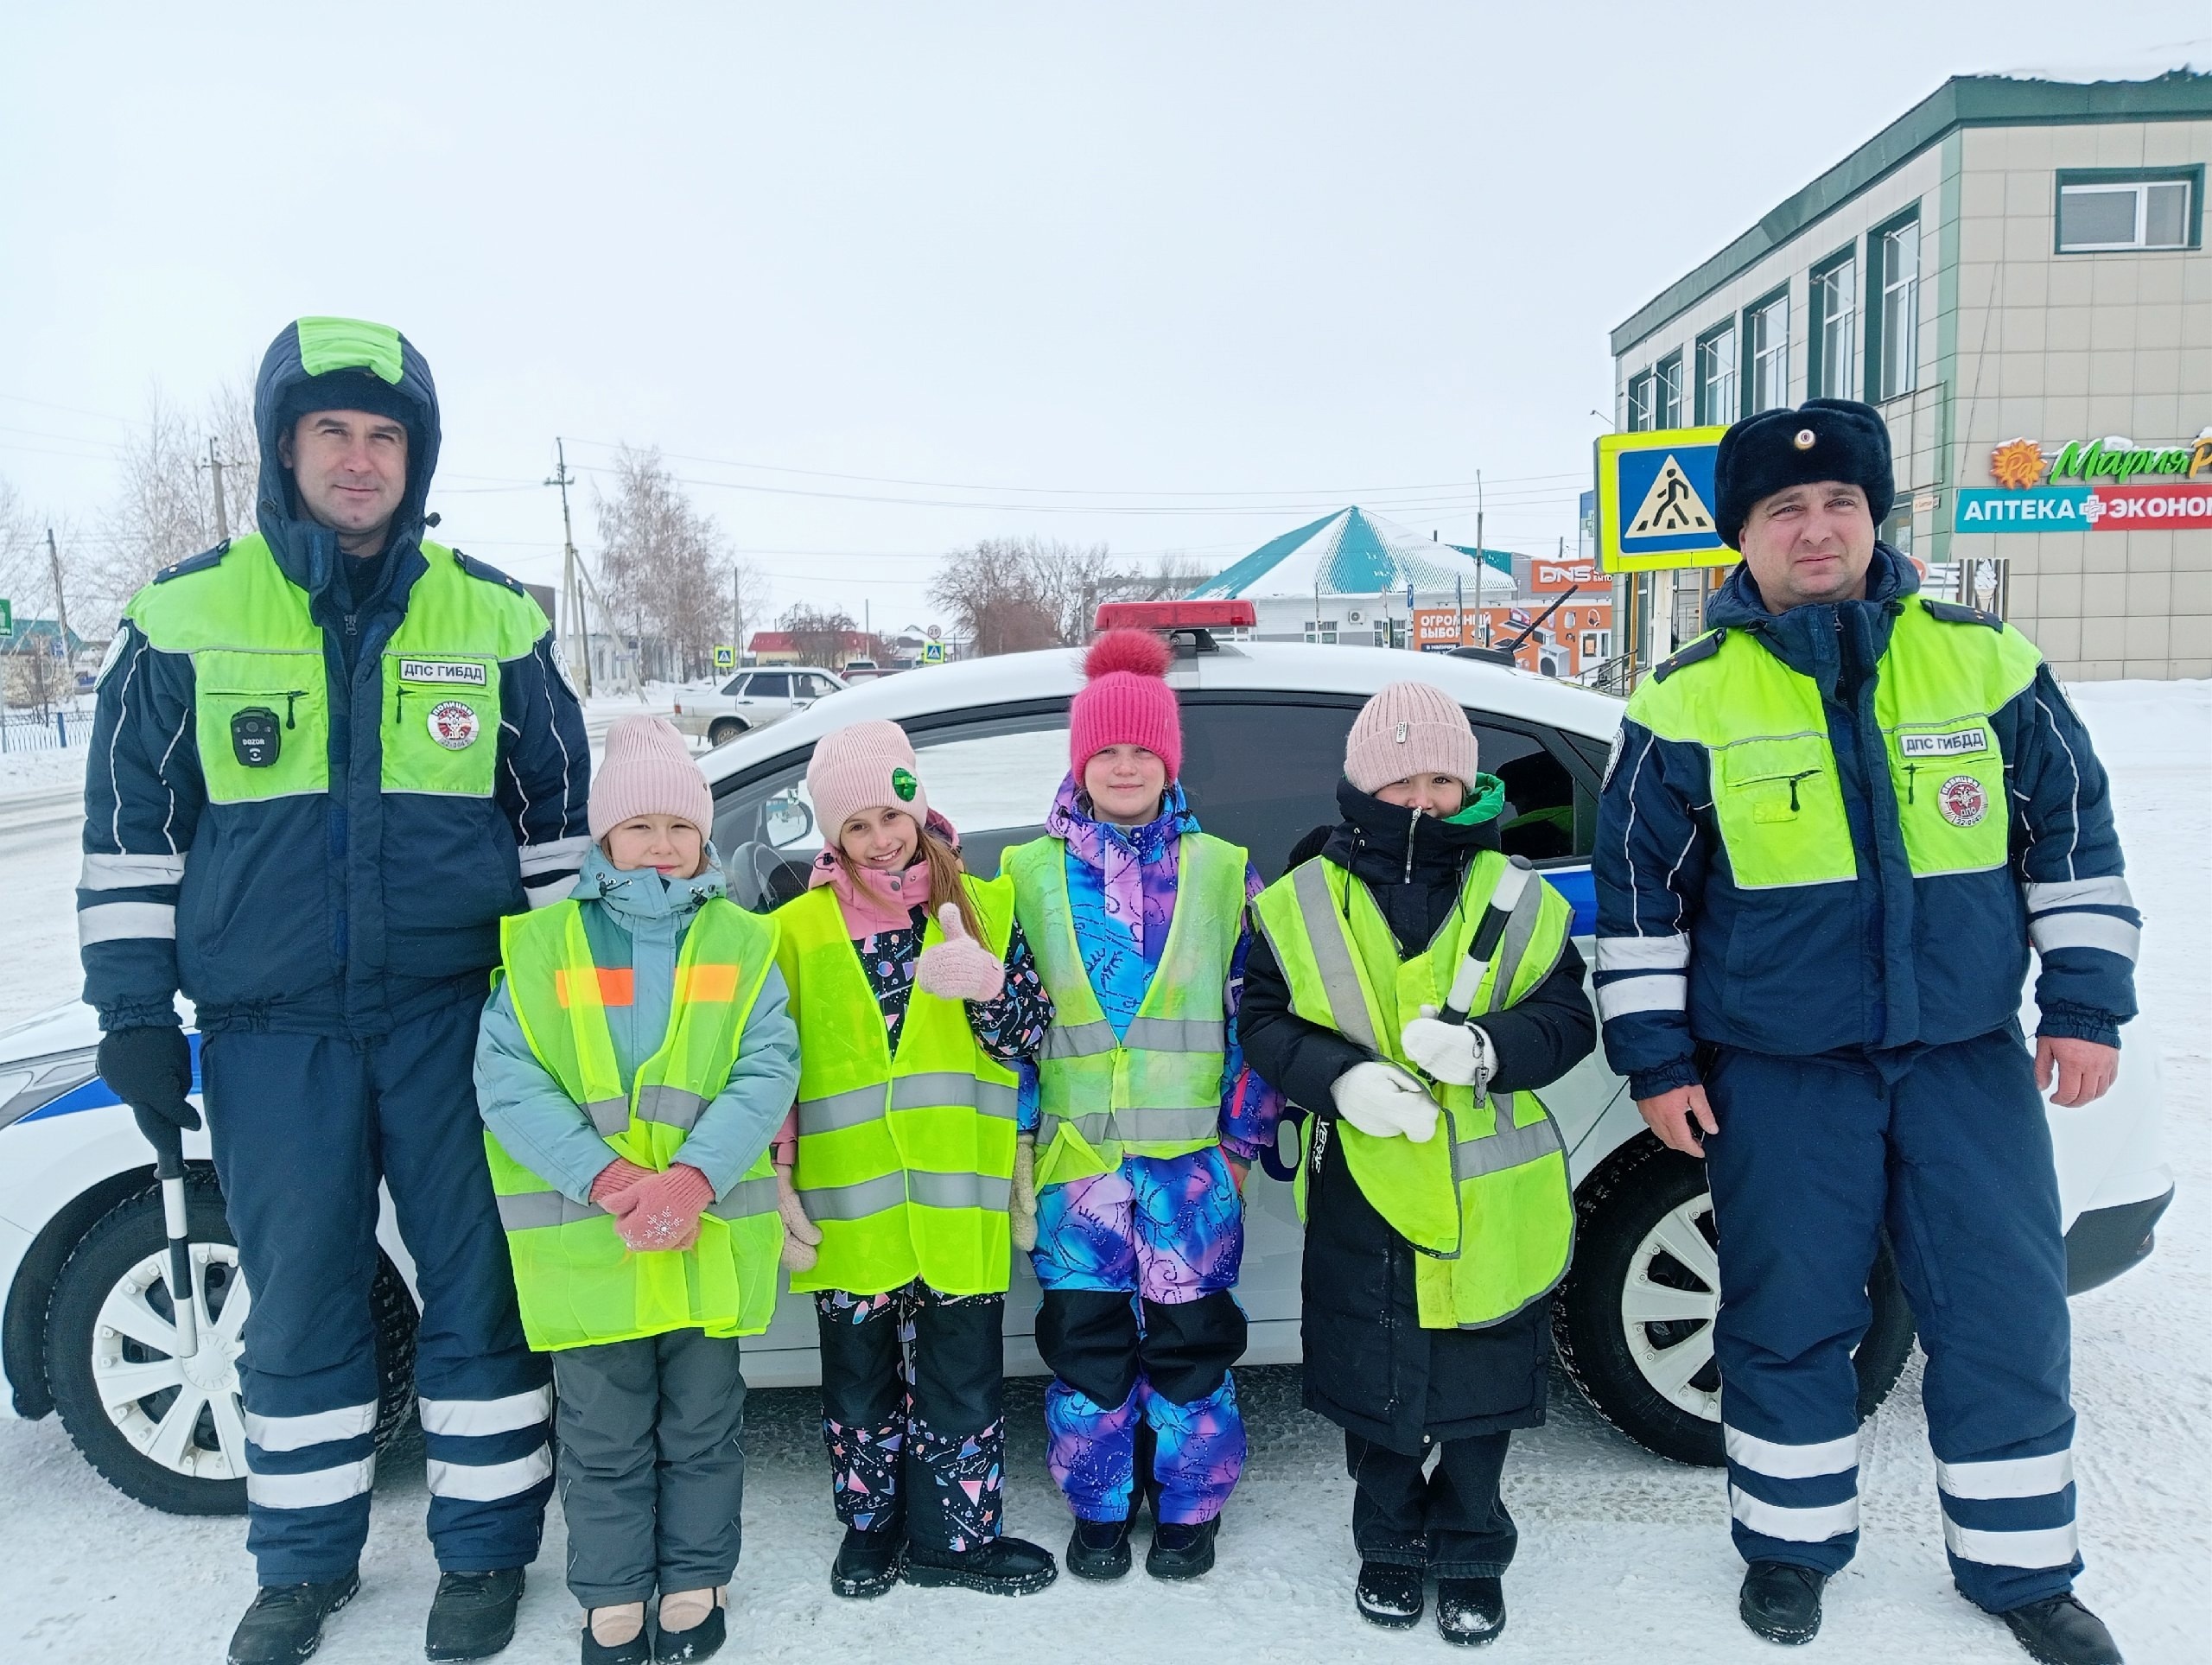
(1173, 277)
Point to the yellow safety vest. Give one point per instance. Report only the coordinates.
(576, 1282)
(906, 1162)
(1485, 1199)
(1154, 1090)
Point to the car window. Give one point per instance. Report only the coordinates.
(734, 687)
(1263, 773)
(1545, 817)
(771, 685)
(819, 687)
(992, 779)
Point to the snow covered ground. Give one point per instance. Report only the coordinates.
(1622, 1555)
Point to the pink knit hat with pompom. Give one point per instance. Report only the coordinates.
(1127, 702)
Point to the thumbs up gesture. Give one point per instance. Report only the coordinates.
(959, 968)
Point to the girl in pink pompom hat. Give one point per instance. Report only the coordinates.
(1148, 1121)
(917, 997)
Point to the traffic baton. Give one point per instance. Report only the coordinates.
(1502, 901)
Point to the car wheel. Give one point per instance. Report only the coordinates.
(166, 1432)
(1634, 1324)
(723, 731)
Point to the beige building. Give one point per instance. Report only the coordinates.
(2009, 260)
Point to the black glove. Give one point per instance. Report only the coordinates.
(150, 1070)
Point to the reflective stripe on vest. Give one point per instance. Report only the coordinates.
(1776, 795)
(576, 1283)
(1486, 1197)
(256, 648)
(906, 1162)
(1154, 1090)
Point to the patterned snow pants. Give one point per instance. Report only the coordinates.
(913, 1412)
(1139, 1327)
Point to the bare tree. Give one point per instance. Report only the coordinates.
(165, 510)
(992, 588)
(819, 636)
(663, 566)
(1014, 594)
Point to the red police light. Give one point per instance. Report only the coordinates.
(1175, 615)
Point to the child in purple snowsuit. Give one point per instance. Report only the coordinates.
(1137, 1262)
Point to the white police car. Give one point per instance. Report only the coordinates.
(85, 1331)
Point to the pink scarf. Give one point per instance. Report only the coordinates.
(874, 901)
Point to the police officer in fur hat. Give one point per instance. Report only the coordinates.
(1831, 831)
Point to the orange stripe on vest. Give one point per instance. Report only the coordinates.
(615, 988)
(704, 984)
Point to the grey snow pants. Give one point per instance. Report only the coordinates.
(652, 1473)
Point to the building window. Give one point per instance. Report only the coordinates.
(1828, 358)
(1766, 349)
(1321, 630)
(1716, 377)
(1893, 319)
(1667, 392)
(2102, 209)
(1639, 403)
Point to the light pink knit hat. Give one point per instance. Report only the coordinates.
(647, 770)
(862, 768)
(1409, 728)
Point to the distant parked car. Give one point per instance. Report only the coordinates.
(753, 699)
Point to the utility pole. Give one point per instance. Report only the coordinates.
(215, 472)
(737, 610)
(1482, 557)
(571, 596)
(60, 614)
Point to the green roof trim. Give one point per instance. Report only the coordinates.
(328, 344)
(1963, 101)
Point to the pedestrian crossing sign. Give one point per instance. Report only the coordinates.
(1655, 500)
(725, 657)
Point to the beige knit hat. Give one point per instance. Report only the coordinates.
(1409, 728)
(647, 770)
(864, 766)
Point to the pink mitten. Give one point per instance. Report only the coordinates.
(661, 1211)
(959, 968)
(615, 1177)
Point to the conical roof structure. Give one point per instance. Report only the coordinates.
(1352, 552)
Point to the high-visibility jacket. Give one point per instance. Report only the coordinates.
(1155, 1089)
(1776, 796)
(575, 1281)
(905, 1160)
(1485, 1199)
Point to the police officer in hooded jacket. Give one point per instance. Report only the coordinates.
(328, 756)
(1830, 832)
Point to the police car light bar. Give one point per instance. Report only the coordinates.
(1175, 615)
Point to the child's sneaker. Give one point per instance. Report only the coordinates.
(1099, 1550)
(1004, 1567)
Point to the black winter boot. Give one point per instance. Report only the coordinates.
(2059, 1630)
(1004, 1567)
(703, 1641)
(1470, 1612)
(867, 1562)
(1390, 1595)
(1181, 1549)
(1782, 1602)
(1099, 1550)
(472, 1615)
(284, 1624)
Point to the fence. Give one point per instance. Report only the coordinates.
(59, 728)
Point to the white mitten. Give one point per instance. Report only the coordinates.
(801, 1235)
(1383, 1102)
(959, 968)
(1458, 1052)
(1021, 1205)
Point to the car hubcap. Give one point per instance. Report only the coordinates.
(182, 1412)
(1667, 1306)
